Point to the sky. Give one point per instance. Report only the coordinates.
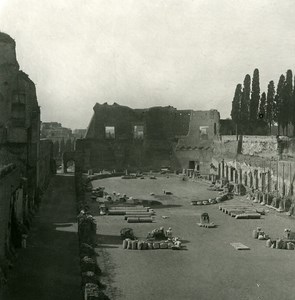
(190, 54)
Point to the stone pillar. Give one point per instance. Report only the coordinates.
(222, 168)
(250, 180)
(219, 170)
(255, 179)
(269, 183)
(226, 172)
(240, 176)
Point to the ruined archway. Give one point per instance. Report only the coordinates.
(69, 162)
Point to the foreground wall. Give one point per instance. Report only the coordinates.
(10, 183)
(25, 164)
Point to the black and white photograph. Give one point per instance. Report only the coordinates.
(147, 149)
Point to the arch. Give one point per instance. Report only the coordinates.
(68, 157)
(245, 179)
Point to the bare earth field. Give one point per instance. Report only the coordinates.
(209, 268)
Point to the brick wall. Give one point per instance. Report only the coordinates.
(9, 183)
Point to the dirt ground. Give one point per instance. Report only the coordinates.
(48, 269)
(209, 267)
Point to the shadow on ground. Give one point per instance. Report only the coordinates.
(109, 239)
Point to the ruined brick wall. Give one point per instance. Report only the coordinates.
(198, 144)
(269, 157)
(19, 116)
(9, 183)
(8, 76)
(161, 127)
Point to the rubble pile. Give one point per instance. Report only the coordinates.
(286, 242)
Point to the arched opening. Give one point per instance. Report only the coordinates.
(245, 179)
(69, 166)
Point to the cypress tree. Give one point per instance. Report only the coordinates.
(262, 104)
(293, 109)
(278, 112)
(262, 114)
(254, 102)
(236, 107)
(270, 104)
(287, 101)
(245, 101)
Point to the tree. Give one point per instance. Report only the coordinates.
(254, 102)
(278, 112)
(270, 104)
(287, 101)
(262, 122)
(292, 110)
(262, 108)
(236, 107)
(245, 101)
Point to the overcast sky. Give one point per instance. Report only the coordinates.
(142, 53)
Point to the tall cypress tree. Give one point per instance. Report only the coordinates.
(262, 106)
(236, 107)
(278, 111)
(287, 101)
(293, 109)
(254, 102)
(270, 104)
(245, 101)
(262, 115)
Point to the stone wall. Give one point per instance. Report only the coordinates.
(265, 163)
(25, 163)
(154, 149)
(171, 138)
(264, 146)
(10, 182)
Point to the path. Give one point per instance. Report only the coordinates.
(210, 269)
(48, 269)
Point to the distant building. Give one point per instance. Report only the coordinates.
(79, 133)
(55, 132)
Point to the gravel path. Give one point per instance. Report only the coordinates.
(209, 268)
